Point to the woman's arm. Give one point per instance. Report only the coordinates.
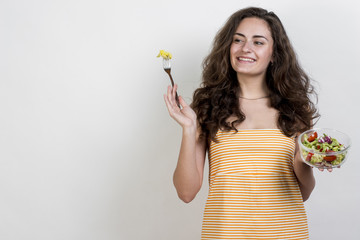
(188, 175)
(189, 171)
(304, 174)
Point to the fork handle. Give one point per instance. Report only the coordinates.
(177, 100)
(172, 83)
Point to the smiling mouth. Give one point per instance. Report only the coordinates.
(244, 59)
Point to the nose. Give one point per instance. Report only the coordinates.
(246, 47)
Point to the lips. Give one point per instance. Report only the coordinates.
(246, 59)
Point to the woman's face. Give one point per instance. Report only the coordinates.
(252, 48)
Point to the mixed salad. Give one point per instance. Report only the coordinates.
(322, 144)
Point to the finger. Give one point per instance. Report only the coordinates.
(176, 115)
(330, 169)
(168, 101)
(168, 91)
(321, 169)
(182, 102)
(171, 97)
(176, 97)
(171, 102)
(170, 107)
(175, 88)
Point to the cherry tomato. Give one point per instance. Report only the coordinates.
(329, 158)
(312, 137)
(308, 158)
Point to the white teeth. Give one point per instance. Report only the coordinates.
(246, 59)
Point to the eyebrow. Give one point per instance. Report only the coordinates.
(255, 36)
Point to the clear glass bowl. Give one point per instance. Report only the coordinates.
(317, 159)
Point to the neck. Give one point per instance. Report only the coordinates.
(253, 87)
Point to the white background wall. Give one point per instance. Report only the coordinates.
(87, 149)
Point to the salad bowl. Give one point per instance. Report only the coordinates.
(324, 147)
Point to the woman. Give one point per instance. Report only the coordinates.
(253, 103)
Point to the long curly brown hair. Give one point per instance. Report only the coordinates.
(289, 86)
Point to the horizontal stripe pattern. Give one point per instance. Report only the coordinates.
(253, 191)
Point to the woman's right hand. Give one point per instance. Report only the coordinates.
(185, 115)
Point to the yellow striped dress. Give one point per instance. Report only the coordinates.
(253, 191)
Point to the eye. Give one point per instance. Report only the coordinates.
(238, 40)
(258, 43)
